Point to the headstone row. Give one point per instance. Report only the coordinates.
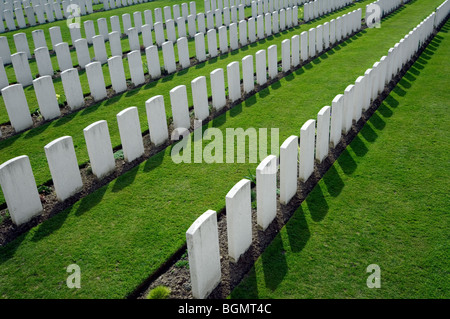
(317, 8)
(297, 160)
(18, 17)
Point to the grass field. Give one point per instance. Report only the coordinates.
(124, 231)
(385, 202)
(33, 141)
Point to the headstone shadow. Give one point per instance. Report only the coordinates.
(317, 205)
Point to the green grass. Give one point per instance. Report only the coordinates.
(385, 201)
(33, 141)
(160, 292)
(123, 232)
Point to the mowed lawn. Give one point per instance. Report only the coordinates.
(32, 142)
(123, 232)
(385, 202)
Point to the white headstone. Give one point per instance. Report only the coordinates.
(181, 25)
(243, 32)
(241, 12)
(19, 188)
(157, 121)
(55, 36)
(251, 30)
(306, 155)
(22, 68)
(100, 49)
(358, 98)
(159, 33)
(260, 27)
(21, 42)
(99, 148)
(43, 61)
(170, 30)
(286, 55)
(46, 97)
(130, 133)
(167, 13)
(204, 255)
(137, 17)
(312, 42)
(103, 28)
(304, 46)
(133, 39)
(75, 32)
(323, 133)
(148, 18)
(63, 56)
(234, 81)
(275, 22)
(200, 47)
(201, 23)
(319, 39)
(115, 44)
(126, 21)
(136, 68)
(63, 165)
(332, 31)
(158, 15)
(336, 119)
(210, 20)
(218, 16)
(234, 43)
(226, 16)
(288, 169)
(117, 74)
(147, 37)
(218, 89)
(295, 50)
(272, 61)
(4, 82)
(169, 57)
(83, 56)
(180, 107)
(20, 18)
(212, 43)
(96, 81)
(200, 98)
(223, 39)
(261, 71)
(89, 30)
(248, 74)
(154, 67)
(29, 11)
(72, 88)
(192, 28)
(115, 24)
(326, 35)
(266, 191)
(239, 219)
(5, 52)
(268, 24)
(183, 52)
(9, 18)
(39, 39)
(17, 107)
(347, 114)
